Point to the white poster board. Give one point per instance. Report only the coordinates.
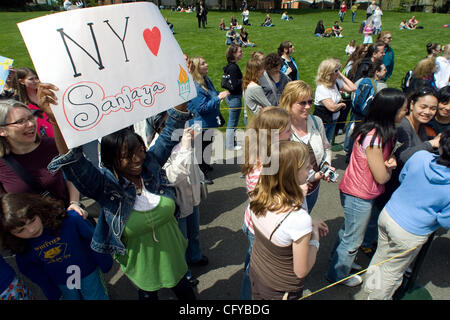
(114, 66)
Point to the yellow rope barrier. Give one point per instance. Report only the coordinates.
(358, 273)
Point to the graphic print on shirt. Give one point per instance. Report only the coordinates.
(52, 251)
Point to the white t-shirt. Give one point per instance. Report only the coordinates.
(443, 72)
(323, 93)
(295, 226)
(146, 201)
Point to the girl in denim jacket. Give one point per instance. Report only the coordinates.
(136, 221)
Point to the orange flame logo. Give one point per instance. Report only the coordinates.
(182, 77)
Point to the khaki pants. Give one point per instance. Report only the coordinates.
(382, 281)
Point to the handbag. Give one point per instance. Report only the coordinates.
(203, 190)
(226, 82)
(220, 120)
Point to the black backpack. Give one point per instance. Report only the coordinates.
(407, 81)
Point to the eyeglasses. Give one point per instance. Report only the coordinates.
(22, 122)
(306, 102)
(388, 38)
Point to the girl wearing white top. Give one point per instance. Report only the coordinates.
(281, 224)
(350, 48)
(442, 75)
(330, 81)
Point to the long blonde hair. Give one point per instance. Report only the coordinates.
(281, 191)
(325, 72)
(196, 74)
(269, 118)
(294, 91)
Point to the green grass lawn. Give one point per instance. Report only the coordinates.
(409, 46)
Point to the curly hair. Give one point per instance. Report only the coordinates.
(272, 60)
(18, 208)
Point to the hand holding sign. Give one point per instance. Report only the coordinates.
(116, 65)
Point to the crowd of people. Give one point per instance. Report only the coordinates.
(397, 145)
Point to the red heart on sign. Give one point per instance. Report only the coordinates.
(152, 39)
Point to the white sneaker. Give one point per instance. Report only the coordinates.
(356, 267)
(354, 281)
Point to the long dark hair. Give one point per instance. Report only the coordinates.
(421, 89)
(444, 143)
(17, 208)
(111, 147)
(381, 117)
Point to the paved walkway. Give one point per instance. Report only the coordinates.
(225, 245)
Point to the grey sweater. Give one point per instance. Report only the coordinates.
(255, 99)
(272, 92)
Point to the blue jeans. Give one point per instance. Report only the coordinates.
(329, 130)
(246, 287)
(234, 103)
(350, 236)
(189, 227)
(311, 199)
(92, 287)
(372, 228)
(353, 16)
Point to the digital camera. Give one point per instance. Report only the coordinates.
(328, 172)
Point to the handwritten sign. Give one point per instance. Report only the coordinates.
(114, 66)
(5, 63)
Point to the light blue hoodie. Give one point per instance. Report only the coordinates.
(422, 202)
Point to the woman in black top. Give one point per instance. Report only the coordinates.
(320, 29)
(234, 100)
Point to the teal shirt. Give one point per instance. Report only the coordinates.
(388, 61)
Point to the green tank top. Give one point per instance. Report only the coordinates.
(156, 248)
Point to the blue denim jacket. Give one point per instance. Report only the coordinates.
(116, 197)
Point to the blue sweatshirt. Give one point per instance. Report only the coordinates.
(7, 274)
(51, 254)
(422, 202)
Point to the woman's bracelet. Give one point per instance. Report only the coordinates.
(314, 243)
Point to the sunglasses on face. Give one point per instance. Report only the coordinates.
(306, 102)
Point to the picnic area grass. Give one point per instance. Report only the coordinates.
(409, 46)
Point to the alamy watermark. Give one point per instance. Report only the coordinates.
(255, 146)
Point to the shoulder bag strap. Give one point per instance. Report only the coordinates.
(278, 225)
(374, 85)
(25, 175)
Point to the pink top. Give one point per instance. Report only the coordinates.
(44, 127)
(358, 180)
(251, 179)
(367, 31)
